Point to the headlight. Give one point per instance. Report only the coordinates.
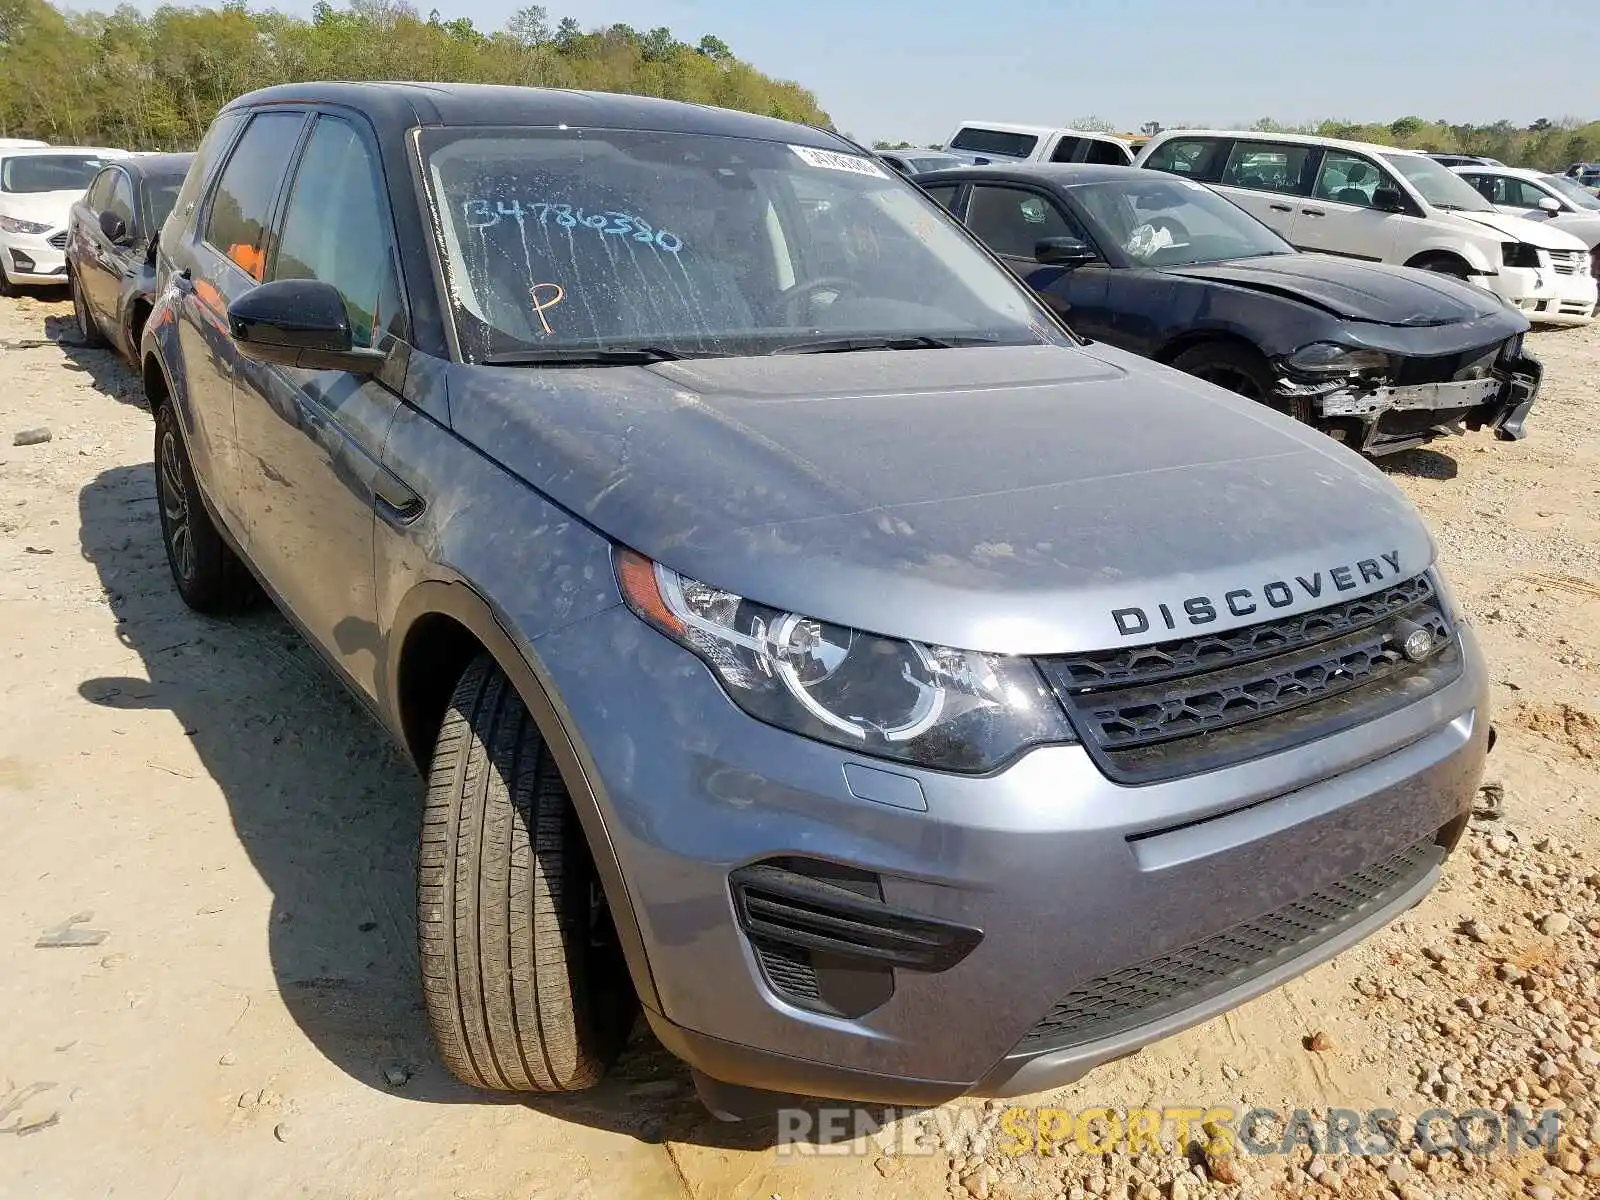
(1328, 358)
(1519, 254)
(17, 225)
(953, 710)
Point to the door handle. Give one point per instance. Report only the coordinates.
(395, 502)
(1313, 212)
(184, 281)
(1281, 207)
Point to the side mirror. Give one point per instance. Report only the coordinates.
(1550, 204)
(1388, 200)
(1063, 252)
(114, 227)
(299, 323)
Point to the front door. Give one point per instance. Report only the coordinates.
(311, 442)
(100, 262)
(1012, 221)
(1341, 216)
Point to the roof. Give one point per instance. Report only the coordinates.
(153, 166)
(31, 151)
(1487, 169)
(1041, 130)
(1059, 174)
(1299, 139)
(490, 104)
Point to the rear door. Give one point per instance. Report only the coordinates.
(1270, 181)
(1341, 216)
(219, 264)
(311, 442)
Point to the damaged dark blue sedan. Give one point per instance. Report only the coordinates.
(1382, 358)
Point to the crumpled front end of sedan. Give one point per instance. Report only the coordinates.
(1382, 401)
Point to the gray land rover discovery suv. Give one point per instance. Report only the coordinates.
(805, 637)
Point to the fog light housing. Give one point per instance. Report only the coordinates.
(22, 262)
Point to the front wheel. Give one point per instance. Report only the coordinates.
(522, 975)
(1242, 370)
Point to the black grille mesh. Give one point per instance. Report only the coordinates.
(1137, 995)
(59, 241)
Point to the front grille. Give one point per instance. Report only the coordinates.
(1448, 368)
(58, 240)
(1567, 262)
(1177, 708)
(1138, 995)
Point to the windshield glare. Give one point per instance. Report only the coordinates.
(1438, 184)
(1174, 223)
(1574, 193)
(699, 245)
(48, 172)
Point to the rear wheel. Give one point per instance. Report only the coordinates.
(88, 331)
(209, 575)
(522, 975)
(1243, 370)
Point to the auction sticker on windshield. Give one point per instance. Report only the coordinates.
(832, 160)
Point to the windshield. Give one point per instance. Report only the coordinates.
(159, 197)
(1438, 184)
(1162, 222)
(1580, 197)
(693, 244)
(48, 172)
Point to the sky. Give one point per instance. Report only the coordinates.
(915, 69)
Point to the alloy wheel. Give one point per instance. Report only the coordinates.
(175, 506)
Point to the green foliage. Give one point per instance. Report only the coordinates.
(154, 82)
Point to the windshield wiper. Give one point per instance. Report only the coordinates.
(583, 356)
(845, 345)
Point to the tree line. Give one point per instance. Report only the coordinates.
(154, 82)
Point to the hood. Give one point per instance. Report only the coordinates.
(1358, 291)
(1003, 499)
(47, 207)
(1520, 229)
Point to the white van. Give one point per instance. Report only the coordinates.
(999, 141)
(1386, 205)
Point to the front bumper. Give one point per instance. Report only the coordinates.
(1069, 877)
(1546, 296)
(33, 258)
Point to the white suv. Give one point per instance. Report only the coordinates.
(1000, 141)
(1386, 205)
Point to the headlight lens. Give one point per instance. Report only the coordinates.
(17, 225)
(1519, 254)
(1329, 358)
(953, 710)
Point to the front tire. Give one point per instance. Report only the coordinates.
(1242, 370)
(88, 330)
(522, 976)
(207, 572)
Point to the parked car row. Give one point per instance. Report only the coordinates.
(800, 626)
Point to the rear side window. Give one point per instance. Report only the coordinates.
(337, 230)
(1195, 157)
(1266, 166)
(214, 143)
(994, 141)
(241, 209)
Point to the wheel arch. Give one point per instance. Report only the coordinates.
(438, 629)
(1450, 255)
(1191, 338)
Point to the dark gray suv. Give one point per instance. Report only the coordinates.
(805, 637)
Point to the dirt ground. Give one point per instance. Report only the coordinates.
(200, 806)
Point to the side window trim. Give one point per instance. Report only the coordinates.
(275, 209)
(363, 130)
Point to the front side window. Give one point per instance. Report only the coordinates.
(100, 190)
(994, 141)
(337, 230)
(1438, 184)
(120, 205)
(698, 244)
(1572, 192)
(1065, 149)
(1173, 222)
(1266, 166)
(1194, 157)
(1110, 154)
(945, 194)
(1350, 179)
(49, 172)
(242, 206)
(1012, 221)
